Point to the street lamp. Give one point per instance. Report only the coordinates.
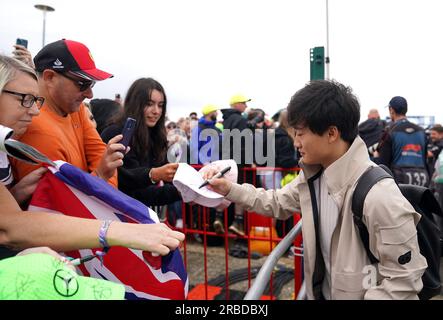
(45, 9)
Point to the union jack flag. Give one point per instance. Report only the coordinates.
(70, 191)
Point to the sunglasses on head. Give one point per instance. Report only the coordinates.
(83, 85)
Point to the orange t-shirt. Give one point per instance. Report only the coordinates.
(71, 139)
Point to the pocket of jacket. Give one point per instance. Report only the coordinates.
(399, 234)
(349, 281)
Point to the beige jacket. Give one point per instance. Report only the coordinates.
(389, 217)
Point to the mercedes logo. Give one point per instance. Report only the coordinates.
(65, 283)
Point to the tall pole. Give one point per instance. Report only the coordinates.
(45, 9)
(44, 28)
(327, 41)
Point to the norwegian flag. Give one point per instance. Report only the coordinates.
(70, 191)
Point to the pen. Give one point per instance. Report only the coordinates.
(79, 261)
(218, 175)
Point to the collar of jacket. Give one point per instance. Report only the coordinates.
(343, 172)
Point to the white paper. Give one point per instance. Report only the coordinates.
(188, 180)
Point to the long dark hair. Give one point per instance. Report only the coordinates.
(146, 142)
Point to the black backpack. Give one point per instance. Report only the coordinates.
(428, 233)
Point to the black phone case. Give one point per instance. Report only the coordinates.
(127, 131)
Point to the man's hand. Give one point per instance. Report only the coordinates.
(221, 185)
(24, 189)
(164, 173)
(112, 158)
(23, 54)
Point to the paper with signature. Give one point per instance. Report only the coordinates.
(188, 180)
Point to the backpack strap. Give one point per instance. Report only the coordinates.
(387, 132)
(364, 184)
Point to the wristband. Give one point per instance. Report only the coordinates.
(102, 234)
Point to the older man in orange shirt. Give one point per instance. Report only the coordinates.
(62, 131)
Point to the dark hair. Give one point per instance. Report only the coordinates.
(255, 116)
(437, 128)
(104, 111)
(321, 104)
(146, 141)
(253, 113)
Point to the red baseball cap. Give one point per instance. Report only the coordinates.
(67, 55)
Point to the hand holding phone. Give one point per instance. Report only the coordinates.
(22, 42)
(127, 131)
(22, 53)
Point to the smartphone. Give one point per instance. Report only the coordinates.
(22, 42)
(127, 131)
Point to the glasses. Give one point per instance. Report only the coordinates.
(28, 100)
(82, 84)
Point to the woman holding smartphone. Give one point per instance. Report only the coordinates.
(145, 165)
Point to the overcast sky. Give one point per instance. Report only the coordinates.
(203, 51)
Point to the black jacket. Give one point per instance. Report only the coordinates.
(233, 119)
(371, 131)
(133, 177)
(285, 154)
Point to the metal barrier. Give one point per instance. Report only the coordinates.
(257, 289)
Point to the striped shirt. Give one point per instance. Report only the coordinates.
(328, 217)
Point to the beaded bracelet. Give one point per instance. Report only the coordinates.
(102, 234)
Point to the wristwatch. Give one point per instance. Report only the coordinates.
(150, 177)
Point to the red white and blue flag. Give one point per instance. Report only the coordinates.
(70, 191)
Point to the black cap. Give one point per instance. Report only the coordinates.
(399, 104)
